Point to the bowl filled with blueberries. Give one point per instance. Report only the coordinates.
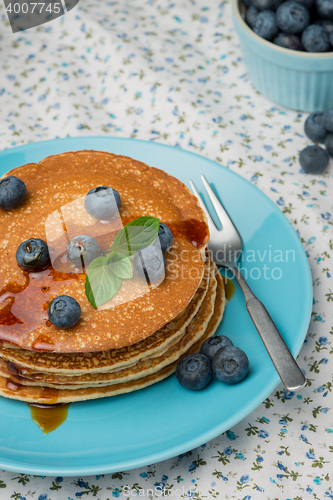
(287, 48)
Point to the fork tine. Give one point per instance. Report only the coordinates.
(220, 211)
(211, 224)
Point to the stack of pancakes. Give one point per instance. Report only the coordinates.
(135, 339)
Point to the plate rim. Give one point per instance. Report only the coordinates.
(213, 432)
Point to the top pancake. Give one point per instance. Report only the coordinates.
(145, 191)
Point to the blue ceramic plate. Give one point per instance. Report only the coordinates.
(164, 420)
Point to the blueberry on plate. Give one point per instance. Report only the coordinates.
(292, 17)
(316, 39)
(328, 119)
(314, 127)
(213, 344)
(247, 3)
(102, 202)
(329, 144)
(314, 159)
(250, 15)
(266, 4)
(82, 250)
(12, 192)
(288, 41)
(165, 237)
(33, 255)
(149, 264)
(194, 371)
(230, 365)
(265, 24)
(64, 311)
(325, 9)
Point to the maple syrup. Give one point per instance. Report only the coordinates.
(229, 288)
(13, 386)
(192, 229)
(25, 306)
(49, 417)
(16, 369)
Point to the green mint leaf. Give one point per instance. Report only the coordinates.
(137, 234)
(101, 283)
(120, 265)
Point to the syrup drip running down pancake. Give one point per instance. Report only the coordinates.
(59, 180)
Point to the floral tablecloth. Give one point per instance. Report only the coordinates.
(172, 72)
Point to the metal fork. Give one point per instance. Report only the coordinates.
(225, 246)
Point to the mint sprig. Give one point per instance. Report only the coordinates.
(105, 274)
(139, 233)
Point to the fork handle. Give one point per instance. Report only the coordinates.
(286, 366)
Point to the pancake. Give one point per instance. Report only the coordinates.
(142, 368)
(71, 364)
(60, 182)
(65, 395)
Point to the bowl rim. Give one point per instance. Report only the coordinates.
(270, 45)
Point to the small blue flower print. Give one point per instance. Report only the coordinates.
(263, 434)
(159, 486)
(310, 455)
(227, 451)
(288, 394)
(231, 435)
(244, 479)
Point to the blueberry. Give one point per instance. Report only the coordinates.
(266, 4)
(12, 192)
(165, 237)
(326, 24)
(33, 255)
(251, 15)
(316, 39)
(314, 159)
(265, 24)
(329, 144)
(230, 365)
(325, 9)
(328, 119)
(194, 371)
(213, 344)
(331, 38)
(314, 127)
(149, 264)
(247, 3)
(82, 250)
(292, 17)
(102, 202)
(287, 41)
(64, 311)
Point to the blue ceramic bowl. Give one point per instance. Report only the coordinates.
(294, 79)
